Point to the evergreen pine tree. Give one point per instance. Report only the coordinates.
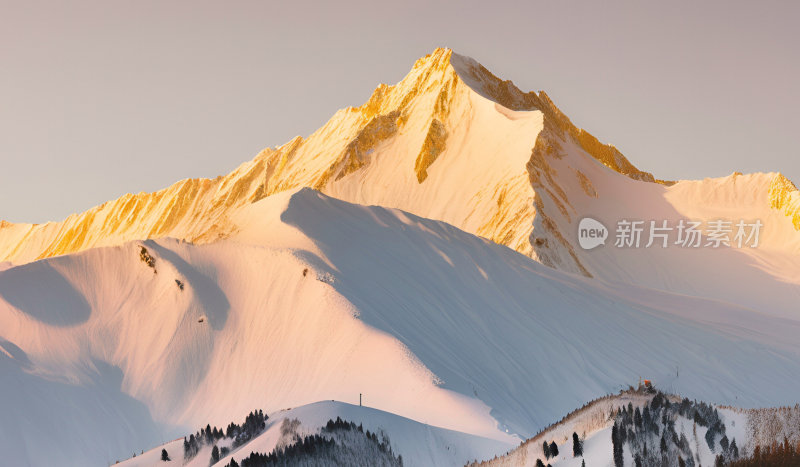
(724, 443)
(577, 449)
(617, 445)
(734, 449)
(546, 450)
(539, 463)
(553, 449)
(215, 455)
(165, 455)
(192, 448)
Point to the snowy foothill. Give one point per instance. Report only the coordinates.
(417, 443)
(660, 430)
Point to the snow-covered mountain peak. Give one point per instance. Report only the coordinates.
(450, 142)
(444, 63)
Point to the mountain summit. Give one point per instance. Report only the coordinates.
(450, 141)
(453, 142)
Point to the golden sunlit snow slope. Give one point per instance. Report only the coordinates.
(450, 142)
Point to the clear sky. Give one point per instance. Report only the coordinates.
(101, 98)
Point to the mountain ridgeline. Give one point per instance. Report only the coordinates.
(412, 126)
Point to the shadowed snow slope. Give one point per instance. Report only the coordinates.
(312, 298)
(571, 185)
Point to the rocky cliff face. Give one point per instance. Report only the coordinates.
(783, 196)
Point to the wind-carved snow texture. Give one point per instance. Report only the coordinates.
(512, 344)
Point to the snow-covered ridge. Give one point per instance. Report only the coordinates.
(591, 422)
(766, 278)
(694, 438)
(417, 443)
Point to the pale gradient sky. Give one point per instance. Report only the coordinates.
(101, 98)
